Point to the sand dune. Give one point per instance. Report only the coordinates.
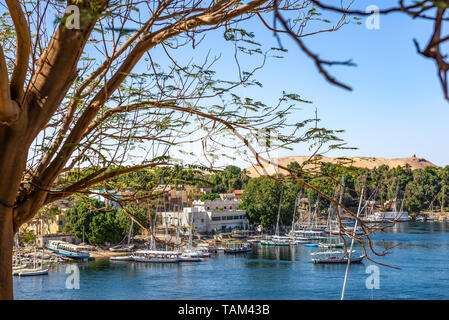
(361, 162)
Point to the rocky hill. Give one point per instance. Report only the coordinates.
(361, 162)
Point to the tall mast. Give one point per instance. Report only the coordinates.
(315, 213)
(342, 189)
(396, 196)
(294, 213)
(279, 211)
(352, 244)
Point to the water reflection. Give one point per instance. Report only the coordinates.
(420, 249)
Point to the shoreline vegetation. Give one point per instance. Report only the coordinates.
(420, 192)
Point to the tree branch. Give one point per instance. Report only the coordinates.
(23, 49)
(9, 110)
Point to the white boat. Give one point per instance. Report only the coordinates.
(121, 258)
(190, 255)
(237, 247)
(333, 257)
(32, 272)
(156, 256)
(276, 241)
(307, 234)
(67, 249)
(389, 216)
(122, 248)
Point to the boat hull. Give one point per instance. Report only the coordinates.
(337, 261)
(155, 260)
(29, 273)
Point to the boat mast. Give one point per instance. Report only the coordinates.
(329, 213)
(279, 211)
(130, 232)
(396, 197)
(294, 213)
(42, 236)
(315, 213)
(352, 244)
(342, 190)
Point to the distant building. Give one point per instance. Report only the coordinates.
(238, 194)
(209, 216)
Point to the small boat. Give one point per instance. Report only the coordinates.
(121, 258)
(335, 257)
(330, 245)
(32, 272)
(122, 248)
(155, 256)
(191, 256)
(237, 247)
(311, 245)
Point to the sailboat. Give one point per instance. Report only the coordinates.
(277, 240)
(35, 271)
(340, 256)
(332, 242)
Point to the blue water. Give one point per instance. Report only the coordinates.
(421, 250)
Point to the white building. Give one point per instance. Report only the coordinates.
(209, 215)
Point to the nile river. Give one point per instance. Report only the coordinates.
(421, 250)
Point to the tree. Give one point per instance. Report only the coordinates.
(261, 198)
(102, 93)
(105, 227)
(209, 196)
(230, 179)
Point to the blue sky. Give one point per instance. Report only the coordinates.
(397, 107)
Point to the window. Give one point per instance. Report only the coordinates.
(216, 218)
(202, 220)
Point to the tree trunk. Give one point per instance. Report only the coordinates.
(6, 246)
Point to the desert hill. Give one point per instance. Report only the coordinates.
(361, 162)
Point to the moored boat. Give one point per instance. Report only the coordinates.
(121, 258)
(122, 248)
(32, 272)
(155, 256)
(67, 249)
(237, 247)
(334, 257)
